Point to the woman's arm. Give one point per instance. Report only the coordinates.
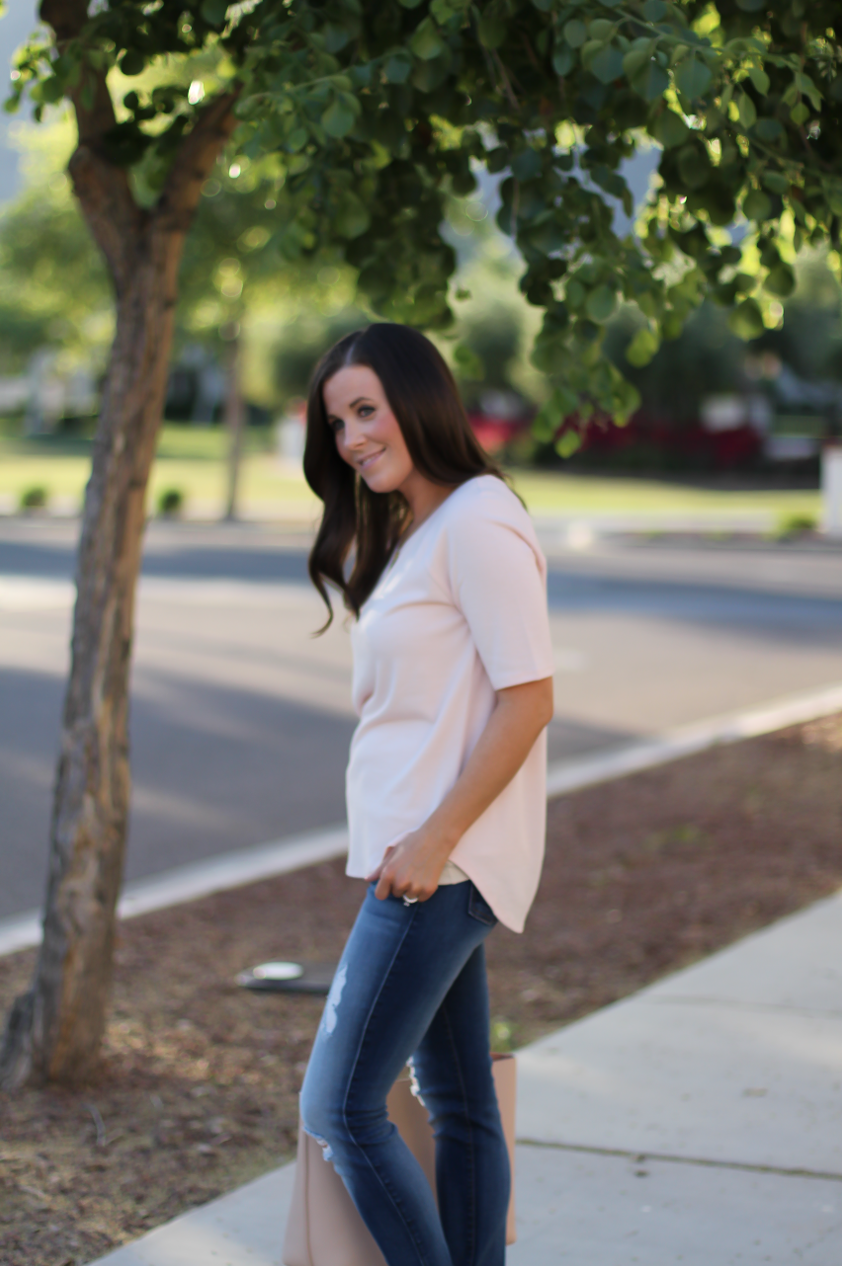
(412, 868)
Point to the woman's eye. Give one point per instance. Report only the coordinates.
(336, 425)
(365, 410)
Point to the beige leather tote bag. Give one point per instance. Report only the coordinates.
(324, 1228)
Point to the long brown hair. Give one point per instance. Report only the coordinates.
(425, 400)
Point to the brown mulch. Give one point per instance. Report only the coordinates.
(197, 1091)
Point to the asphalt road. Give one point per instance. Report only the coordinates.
(241, 719)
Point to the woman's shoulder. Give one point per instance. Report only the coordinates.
(483, 518)
(487, 535)
(487, 497)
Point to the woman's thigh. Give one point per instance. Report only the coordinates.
(397, 967)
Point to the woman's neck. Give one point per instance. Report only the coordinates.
(423, 498)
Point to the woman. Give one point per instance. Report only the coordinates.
(446, 799)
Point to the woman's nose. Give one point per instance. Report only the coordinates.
(352, 434)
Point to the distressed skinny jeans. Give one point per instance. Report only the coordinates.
(411, 984)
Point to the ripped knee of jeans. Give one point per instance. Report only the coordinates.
(334, 998)
(327, 1150)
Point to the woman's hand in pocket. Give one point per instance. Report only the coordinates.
(412, 867)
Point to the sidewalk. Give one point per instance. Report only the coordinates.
(698, 1122)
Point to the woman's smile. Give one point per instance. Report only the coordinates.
(364, 463)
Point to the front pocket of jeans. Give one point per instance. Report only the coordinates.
(479, 909)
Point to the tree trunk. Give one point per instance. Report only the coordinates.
(234, 422)
(55, 1030)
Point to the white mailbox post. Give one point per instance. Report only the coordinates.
(832, 489)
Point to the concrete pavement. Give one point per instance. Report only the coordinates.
(697, 1122)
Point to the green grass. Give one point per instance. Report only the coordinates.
(559, 493)
(192, 459)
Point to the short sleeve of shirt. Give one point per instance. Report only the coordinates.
(498, 580)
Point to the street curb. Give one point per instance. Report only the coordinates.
(687, 740)
(279, 857)
(200, 879)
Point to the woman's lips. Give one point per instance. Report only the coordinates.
(365, 462)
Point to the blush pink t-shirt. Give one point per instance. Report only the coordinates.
(459, 613)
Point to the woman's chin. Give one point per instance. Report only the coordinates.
(379, 481)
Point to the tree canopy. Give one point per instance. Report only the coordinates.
(364, 118)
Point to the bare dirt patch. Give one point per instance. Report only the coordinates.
(198, 1085)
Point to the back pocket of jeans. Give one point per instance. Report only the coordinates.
(479, 909)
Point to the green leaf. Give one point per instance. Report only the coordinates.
(607, 65)
(768, 130)
(627, 401)
(651, 82)
(670, 129)
(568, 442)
(756, 206)
(339, 117)
(497, 159)
(214, 11)
(747, 320)
(297, 139)
(776, 181)
(350, 219)
(443, 10)
(564, 59)
(335, 37)
(601, 30)
(492, 31)
(469, 364)
(52, 90)
(642, 348)
(426, 43)
(575, 32)
(653, 10)
(760, 79)
(360, 75)
(806, 85)
(132, 63)
(574, 293)
(780, 281)
(692, 77)
(547, 420)
(799, 113)
(748, 113)
(409, 4)
(636, 58)
(527, 164)
(833, 193)
(398, 68)
(694, 166)
(600, 303)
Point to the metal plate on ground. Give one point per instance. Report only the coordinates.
(284, 977)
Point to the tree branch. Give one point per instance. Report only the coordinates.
(102, 188)
(194, 161)
(68, 19)
(110, 211)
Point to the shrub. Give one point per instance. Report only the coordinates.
(795, 525)
(171, 503)
(34, 498)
